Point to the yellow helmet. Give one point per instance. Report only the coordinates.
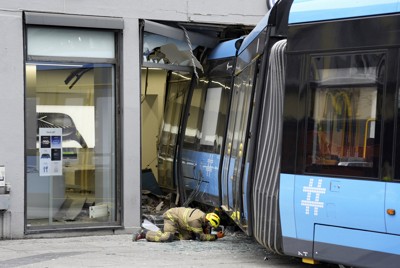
(213, 219)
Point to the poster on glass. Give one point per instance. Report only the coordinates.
(50, 141)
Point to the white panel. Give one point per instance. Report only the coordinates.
(47, 41)
(98, 211)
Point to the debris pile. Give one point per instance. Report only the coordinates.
(154, 206)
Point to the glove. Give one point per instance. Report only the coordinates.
(220, 234)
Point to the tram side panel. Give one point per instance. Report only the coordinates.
(338, 220)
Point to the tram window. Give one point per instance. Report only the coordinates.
(207, 116)
(343, 118)
(193, 127)
(215, 115)
(209, 135)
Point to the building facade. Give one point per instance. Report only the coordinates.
(70, 154)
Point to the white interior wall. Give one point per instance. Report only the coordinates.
(152, 102)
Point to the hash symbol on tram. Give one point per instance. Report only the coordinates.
(317, 191)
(209, 166)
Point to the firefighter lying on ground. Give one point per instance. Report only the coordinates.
(182, 223)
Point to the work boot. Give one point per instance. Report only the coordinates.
(139, 235)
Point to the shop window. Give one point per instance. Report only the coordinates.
(70, 128)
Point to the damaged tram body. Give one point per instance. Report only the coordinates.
(294, 132)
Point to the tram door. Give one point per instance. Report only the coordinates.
(234, 179)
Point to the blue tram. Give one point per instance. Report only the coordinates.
(295, 132)
(339, 175)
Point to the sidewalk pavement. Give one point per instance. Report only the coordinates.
(234, 250)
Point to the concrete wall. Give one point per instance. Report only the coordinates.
(222, 11)
(12, 83)
(131, 125)
(12, 118)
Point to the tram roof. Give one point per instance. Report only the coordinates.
(303, 11)
(254, 33)
(224, 50)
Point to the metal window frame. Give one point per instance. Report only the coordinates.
(54, 19)
(179, 34)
